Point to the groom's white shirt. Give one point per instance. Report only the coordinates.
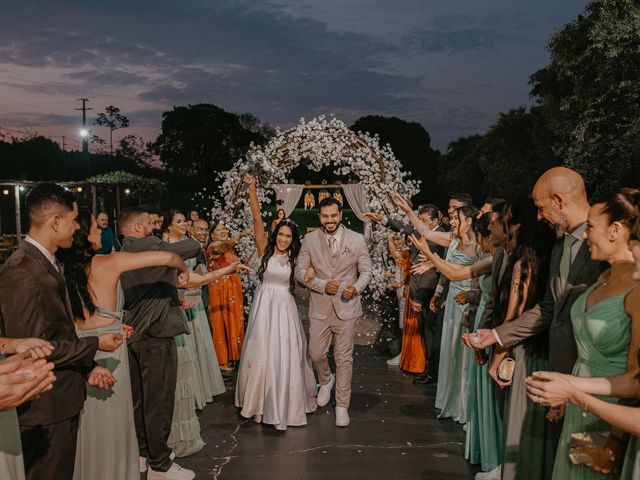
(351, 265)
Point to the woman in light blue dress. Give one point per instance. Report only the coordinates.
(451, 396)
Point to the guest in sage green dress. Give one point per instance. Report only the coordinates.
(484, 441)
(185, 438)
(210, 377)
(107, 444)
(484, 430)
(528, 245)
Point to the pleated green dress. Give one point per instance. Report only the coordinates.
(484, 431)
(602, 333)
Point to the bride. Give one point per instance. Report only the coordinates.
(275, 385)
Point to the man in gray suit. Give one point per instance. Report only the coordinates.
(342, 266)
(561, 198)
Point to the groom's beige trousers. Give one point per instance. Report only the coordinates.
(320, 334)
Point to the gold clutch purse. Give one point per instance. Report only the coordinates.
(506, 369)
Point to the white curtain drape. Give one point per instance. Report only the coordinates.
(359, 203)
(289, 194)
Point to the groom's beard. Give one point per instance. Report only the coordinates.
(334, 227)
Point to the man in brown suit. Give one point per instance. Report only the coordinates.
(34, 303)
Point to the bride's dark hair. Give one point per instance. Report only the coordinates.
(76, 261)
(293, 251)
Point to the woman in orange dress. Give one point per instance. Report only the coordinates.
(413, 358)
(226, 306)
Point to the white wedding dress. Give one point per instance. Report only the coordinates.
(275, 377)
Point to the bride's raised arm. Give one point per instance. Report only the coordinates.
(258, 225)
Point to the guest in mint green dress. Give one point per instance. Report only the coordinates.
(210, 378)
(602, 332)
(484, 431)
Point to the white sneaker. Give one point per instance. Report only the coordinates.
(144, 462)
(395, 361)
(494, 474)
(342, 417)
(324, 394)
(176, 472)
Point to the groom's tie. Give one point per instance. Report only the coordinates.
(333, 244)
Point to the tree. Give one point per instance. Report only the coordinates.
(460, 167)
(590, 92)
(113, 120)
(97, 143)
(201, 140)
(515, 152)
(134, 148)
(36, 158)
(411, 144)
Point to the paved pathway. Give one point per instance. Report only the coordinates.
(394, 434)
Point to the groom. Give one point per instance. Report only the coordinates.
(342, 266)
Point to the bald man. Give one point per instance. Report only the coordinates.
(561, 198)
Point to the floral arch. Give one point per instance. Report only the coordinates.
(321, 142)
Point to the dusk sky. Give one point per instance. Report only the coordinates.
(450, 65)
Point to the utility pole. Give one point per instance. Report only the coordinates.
(85, 132)
(63, 137)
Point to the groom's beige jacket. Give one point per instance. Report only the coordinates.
(351, 265)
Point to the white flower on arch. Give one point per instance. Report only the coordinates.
(322, 142)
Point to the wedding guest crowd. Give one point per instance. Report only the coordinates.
(525, 313)
(556, 289)
(101, 345)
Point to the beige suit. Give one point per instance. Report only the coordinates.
(331, 315)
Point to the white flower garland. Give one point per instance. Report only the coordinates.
(321, 142)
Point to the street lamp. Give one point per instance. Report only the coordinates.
(84, 133)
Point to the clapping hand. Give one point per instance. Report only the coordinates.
(550, 389)
(101, 377)
(23, 378)
(37, 347)
(483, 338)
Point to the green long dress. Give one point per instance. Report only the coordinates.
(602, 333)
(450, 392)
(484, 431)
